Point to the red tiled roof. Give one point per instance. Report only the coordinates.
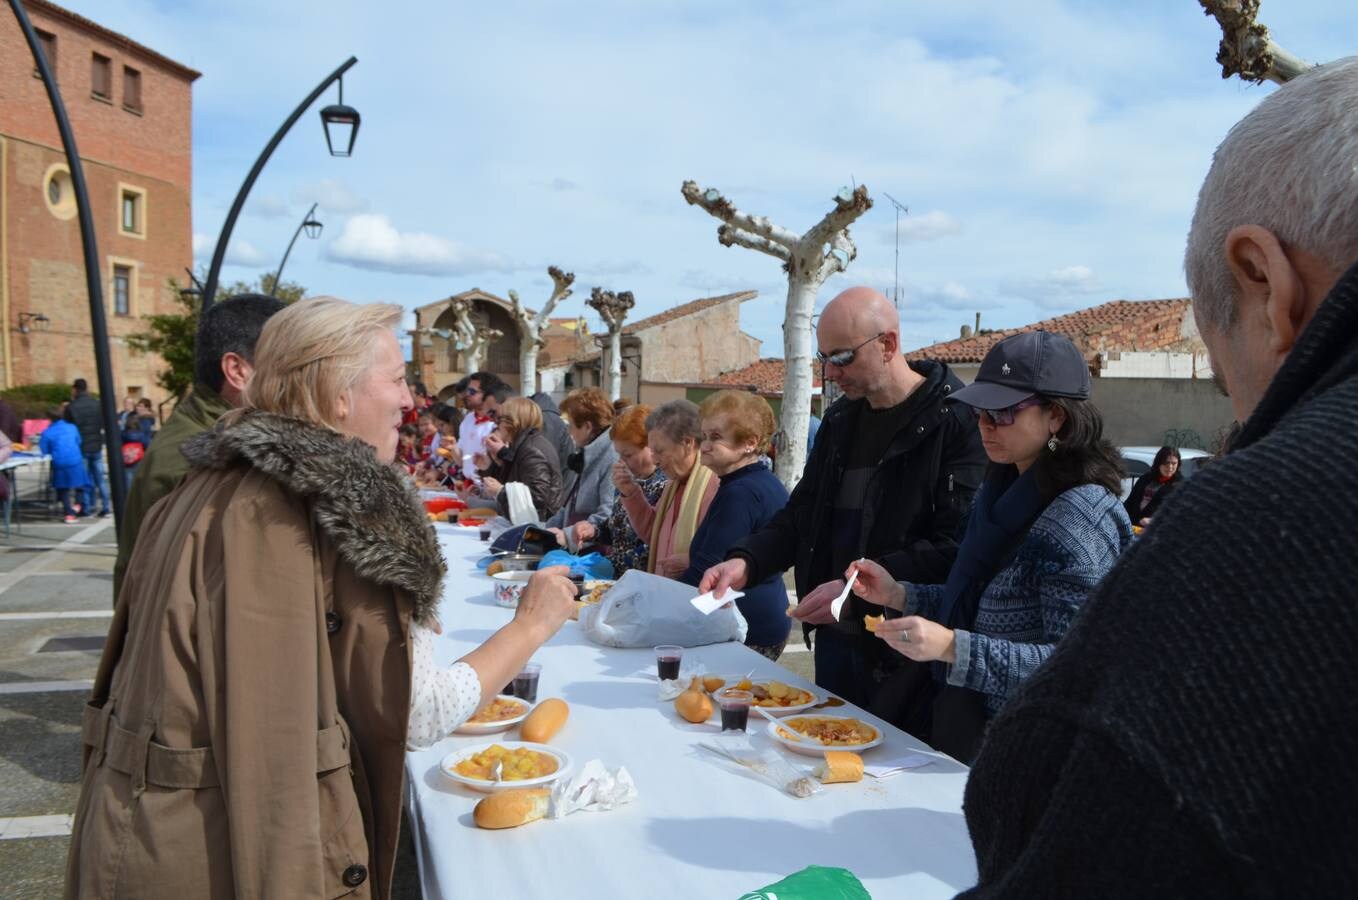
(1117, 325)
(687, 309)
(765, 376)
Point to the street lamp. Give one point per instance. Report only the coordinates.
(340, 117)
(313, 231)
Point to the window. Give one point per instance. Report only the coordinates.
(101, 77)
(48, 43)
(131, 89)
(59, 192)
(122, 290)
(131, 212)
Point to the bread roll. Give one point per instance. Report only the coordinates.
(842, 767)
(545, 720)
(512, 808)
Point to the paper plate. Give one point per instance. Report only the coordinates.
(563, 760)
(732, 680)
(500, 725)
(809, 747)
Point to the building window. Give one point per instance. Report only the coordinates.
(122, 290)
(101, 77)
(131, 89)
(48, 44)
(131, 211)
(59, 192)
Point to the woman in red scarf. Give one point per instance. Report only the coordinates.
(1152, 488)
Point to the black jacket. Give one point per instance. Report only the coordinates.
(1195, 732)
(530, 460)
(85, 413)
(1133, 502)
(555, 428)
(916, 500)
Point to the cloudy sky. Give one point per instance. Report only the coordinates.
(1049, 152)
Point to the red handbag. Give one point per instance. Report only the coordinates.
(132, 453)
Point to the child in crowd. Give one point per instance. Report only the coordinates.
(61, 441)
(408, 448)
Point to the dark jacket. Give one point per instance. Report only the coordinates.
(1194, 734)
(9, 422)
(87, 416)
(530, 460)
(747, 499)
(915, 502)
(555, 428)
(1133, 502)
(139, 430)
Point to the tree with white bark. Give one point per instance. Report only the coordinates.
(531, 325)
(612, 308)
(1246, 48)
(470, 337)
(808, 259)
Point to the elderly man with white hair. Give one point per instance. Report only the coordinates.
(1196, 734)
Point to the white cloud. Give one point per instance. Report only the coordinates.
(332, 196)
(929, 226)
(269, 206)
(238, 253)
(370, 241)
(563, 184)
(1058, 289)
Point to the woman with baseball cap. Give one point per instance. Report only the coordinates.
(1044, 529)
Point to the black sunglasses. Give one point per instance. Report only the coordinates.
(841, 358)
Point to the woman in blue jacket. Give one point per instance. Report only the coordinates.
(736, 427)
(61, 442)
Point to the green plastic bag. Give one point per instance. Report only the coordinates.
(814, 883)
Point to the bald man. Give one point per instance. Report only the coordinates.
(890, 478)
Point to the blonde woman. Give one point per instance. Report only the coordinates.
(270, 656)
(518, 451)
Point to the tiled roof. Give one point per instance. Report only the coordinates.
(765, 376)
(687, 309)
(1118, 325)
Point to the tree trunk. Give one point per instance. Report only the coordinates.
(614, 364)
(528, 359)
(795, 419)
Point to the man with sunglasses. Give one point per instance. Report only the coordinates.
(480, 419)
(890, 478)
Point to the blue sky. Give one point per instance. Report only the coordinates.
(1049, 152)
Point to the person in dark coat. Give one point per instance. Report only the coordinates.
(9, 422)
(890, 478)
(555, 427)
(518, 451)
(1151, 489)
(736, 427)
(1194, 735)
(84, 412)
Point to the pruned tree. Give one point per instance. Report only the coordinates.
(531, 325)
(808, 260)
(612, 308)
(470, 337)
(1246, 48)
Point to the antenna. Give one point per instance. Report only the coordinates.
(896, 288)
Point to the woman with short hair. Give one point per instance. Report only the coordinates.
(1154, 486)
(673, 432)
(519, 452)
(736, 428)
(635, 472)
(1045, 526)
(270, 656)
(587, 485)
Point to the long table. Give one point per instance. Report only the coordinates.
(697, 829)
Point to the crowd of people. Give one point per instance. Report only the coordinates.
(1165, 715)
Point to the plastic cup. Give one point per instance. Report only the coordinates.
(526, 682)
(735, 709)
(667, 658)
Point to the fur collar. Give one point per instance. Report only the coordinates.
(371, 512)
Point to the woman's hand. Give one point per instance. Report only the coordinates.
(547, 601)
(560, 536)
(494, 444)
(583, 531)
(622, 479)
(876, 585)
(814, 608)
(918, 638)
(491, 486)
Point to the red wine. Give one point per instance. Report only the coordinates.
(734, 718)
(526, 686)
(667, 667)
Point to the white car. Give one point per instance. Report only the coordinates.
(1136, 461)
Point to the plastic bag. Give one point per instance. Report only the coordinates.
(643, 610)
(814, 883)
(591, 565)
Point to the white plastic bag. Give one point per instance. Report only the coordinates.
(521, 509)
(643, 610)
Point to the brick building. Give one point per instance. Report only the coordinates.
(130, 111)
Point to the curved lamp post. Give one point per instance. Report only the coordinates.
(313, 231)
(341, 128)
(98, 323)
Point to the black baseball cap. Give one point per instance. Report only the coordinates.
(1024, 364)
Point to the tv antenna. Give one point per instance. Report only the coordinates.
(896, 288)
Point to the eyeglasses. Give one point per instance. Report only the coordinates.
(471, 390)
(1006, 416)
(842, 358)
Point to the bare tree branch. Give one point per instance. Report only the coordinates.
(613, 309)
(1246, 48)
(848, 207)
(730, 235)
(473, 337)
(714, 203)
(842, 252)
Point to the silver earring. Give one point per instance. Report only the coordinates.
(1051, 443)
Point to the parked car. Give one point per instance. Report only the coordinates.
(1136, 461)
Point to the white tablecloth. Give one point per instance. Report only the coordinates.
(697, 829)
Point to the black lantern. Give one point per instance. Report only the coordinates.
(341, 126)
(312, 227)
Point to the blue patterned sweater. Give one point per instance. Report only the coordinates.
(1031, 603)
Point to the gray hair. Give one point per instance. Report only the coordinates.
(1291, 166)
(676, 420)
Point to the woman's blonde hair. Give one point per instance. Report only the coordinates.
(309, 354)
(749, 415)
(517, 414)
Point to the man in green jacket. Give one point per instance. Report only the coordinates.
(223, 353)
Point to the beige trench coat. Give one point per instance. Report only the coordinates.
(246, 734)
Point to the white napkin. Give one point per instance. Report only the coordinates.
(708, 604)
(593, 788)
(896, 765)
